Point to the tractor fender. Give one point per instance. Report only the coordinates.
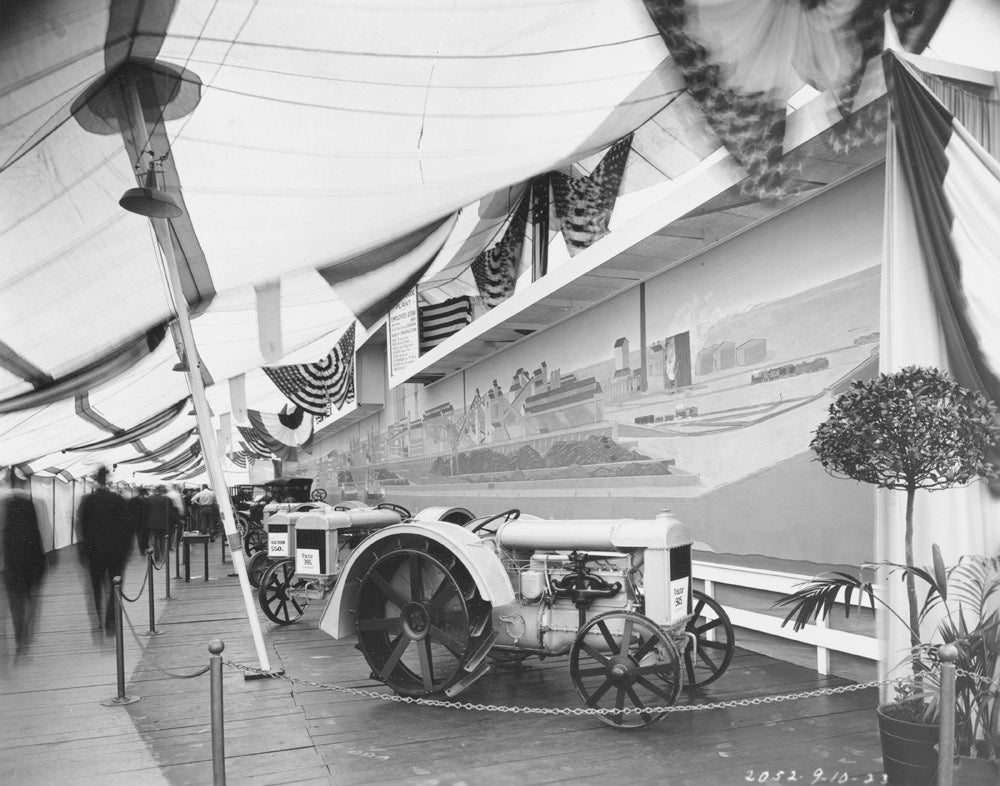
(478, 557)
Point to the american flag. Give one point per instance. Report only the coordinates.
(495, 270)
(441, 320)
(584, 204)
(316, 386)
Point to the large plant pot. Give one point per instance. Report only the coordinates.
(909, 755)
(976, 772)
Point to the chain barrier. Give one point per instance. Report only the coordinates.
(162, 561)
(576, 711)
(145, 578)
(156, 665)
(982, 680)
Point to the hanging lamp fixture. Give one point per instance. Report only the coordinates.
(150, 200)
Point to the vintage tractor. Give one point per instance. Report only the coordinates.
(280, 494)
(306, 548)
(433, 598)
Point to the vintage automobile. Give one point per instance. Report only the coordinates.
(433, 599)
(280, 494)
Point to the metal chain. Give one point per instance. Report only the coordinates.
(455, 705)
(149, 656)
(977, 677)
(145, 578)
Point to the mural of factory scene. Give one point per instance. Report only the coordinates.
(711, 404)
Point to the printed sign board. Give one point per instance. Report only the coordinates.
(307, 561)
(277, 544)
(404, 333)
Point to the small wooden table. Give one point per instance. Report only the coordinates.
(187, 539)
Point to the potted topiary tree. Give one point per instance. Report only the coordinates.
(911, 430)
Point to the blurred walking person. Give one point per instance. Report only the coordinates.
(23, 562)
(105, 530)
(137, 512)
(161, 518)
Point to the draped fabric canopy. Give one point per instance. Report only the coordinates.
(326, 156)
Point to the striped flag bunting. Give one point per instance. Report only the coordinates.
(242, 459)
(953, 188)
(584, 204)
(148, 426)
(496, 268)
(750, 123)
(280, 440)
(441, 320)
(47, 390)
(177, 462)
(189, 473)
(162, 451)
(316, 387)
(254, 442)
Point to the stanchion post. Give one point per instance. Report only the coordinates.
(947, 655)
(121, 698)
(166, 567)
(215, 647)
(149, 584)
(177, 554)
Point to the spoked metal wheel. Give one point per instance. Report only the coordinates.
(255, 540)
(257, 567)
(242, 524)
(420, 618)
(281, 597)
(715, 639)
(624, 661)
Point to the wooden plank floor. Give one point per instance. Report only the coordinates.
(53, 728)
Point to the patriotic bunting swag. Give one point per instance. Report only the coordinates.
(441, 320)
(953, 187)
(254, 441)
(316, 386)
(496, 269)
(584, 204)
(736, 59)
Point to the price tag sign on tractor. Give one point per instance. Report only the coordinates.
(277, 544)
(307, 560)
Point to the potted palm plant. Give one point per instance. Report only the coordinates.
(912, 430)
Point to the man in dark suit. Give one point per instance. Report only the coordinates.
(161, 518)
(105, 529)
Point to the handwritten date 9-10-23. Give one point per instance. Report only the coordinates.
(817, 776)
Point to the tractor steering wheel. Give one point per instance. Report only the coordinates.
(507, 515)
(318, 495)
(403, 512)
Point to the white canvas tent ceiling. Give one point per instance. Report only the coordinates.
(300, 134)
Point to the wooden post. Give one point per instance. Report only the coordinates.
(947, 654)
(203, 418)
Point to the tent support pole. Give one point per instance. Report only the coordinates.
(203, 416)
(209, 448)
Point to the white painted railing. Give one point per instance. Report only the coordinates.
(823, 638)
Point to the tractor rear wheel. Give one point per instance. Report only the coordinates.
(420, 619)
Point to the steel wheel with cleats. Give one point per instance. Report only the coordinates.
(255, 540)
(624, 661)
(419, 619)
(281, 597)
(715, 638)
(257, 567)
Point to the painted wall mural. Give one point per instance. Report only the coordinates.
(697, 390)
